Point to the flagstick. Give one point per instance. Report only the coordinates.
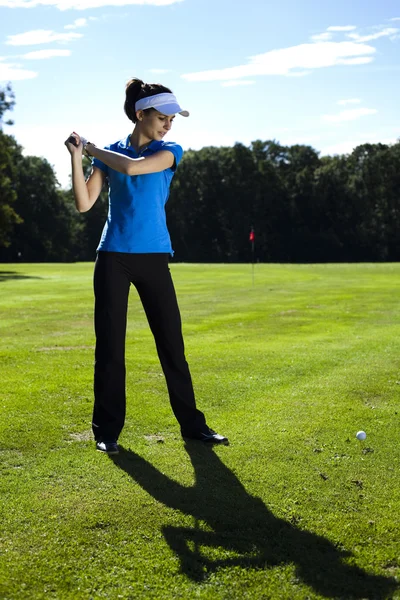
(252, 253)
(252, 240)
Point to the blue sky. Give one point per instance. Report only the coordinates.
(325, 74)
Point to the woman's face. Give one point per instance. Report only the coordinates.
(154, 125)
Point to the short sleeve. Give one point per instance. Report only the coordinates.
(99, 164)
(176, 150)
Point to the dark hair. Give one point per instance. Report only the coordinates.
(137, 89)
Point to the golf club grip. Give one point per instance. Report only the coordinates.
(73, 141)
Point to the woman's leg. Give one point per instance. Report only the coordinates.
(157, 293)
(111, 289)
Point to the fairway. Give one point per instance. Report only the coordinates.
(289, 368)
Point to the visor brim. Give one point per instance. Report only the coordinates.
(172, 109)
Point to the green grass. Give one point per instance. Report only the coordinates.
(290, 369)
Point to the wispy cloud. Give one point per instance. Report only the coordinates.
(349, 101)
(81, 4)
(322, 37)
(298, 73)
(76, 24)
(389, 31)
(348, 146)
(40, 36)
(349, 115)
(341, 28)
(238, 82)
(43, 54)
(285, 61)
(14, 72)
(359, 60)
(395, 19)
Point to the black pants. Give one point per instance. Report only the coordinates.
(150, 274)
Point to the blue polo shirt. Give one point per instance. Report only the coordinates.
(136, 220)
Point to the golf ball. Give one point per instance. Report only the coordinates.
(361, 435)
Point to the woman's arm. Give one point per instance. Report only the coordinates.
(160, 161)
(85, 192)
(86, 196)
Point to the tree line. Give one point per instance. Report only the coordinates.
(302, 207)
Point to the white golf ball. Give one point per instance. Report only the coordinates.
(361, 435)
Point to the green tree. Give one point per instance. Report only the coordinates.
(303, 207)
(271, 216)
(391, 185)
(191, 214)
(46, 231)
(9, 150)
(373, 183)
(338, 214)
(7, 102)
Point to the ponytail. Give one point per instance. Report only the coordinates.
(137, 89)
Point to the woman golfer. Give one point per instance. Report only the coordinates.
(134, 248)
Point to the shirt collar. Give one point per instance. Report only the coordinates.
(126, 144)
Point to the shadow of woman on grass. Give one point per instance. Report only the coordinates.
(248, 533)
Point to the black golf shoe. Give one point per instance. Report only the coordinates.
(107, 447)
(207, 435)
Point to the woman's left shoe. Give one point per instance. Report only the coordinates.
(207, 436)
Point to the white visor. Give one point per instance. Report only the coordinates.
(164, 103)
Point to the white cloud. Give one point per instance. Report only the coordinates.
(347, 146)
(349, 115)
(298, 73)
(81, 4)
(238, 82)
(40, 36)
(285, 60)
(342, 28)
(389, 31)
(395, 19)
(42, 54)
(349, 101)
(322, 37)
(12, 72)
(359, 60)
(77, 23)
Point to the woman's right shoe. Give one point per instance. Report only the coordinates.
(107, 447)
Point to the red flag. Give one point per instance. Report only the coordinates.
(252, 236)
